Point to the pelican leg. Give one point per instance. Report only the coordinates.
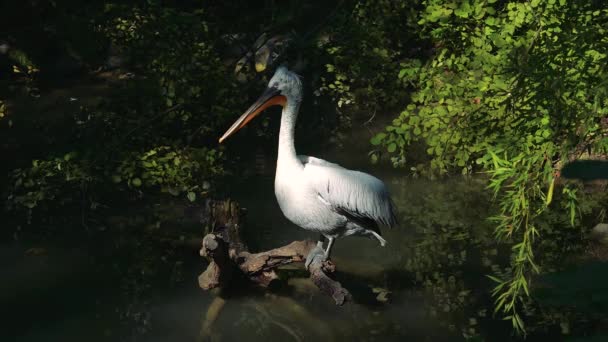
(315, 252)
(330, 244)
(378, 237)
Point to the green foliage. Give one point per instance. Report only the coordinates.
(177, 52)
(172, 170)
(22, 63)
(57, 181)
(153, 130)
(22, 66)
(493, 86)
(520, 185)
(513, 88)
(362, 49)
(61, 182)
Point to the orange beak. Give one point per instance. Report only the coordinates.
(270, 97)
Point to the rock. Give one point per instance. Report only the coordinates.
(4, 48)
(600, 233)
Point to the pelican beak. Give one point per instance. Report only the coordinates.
(271, 97)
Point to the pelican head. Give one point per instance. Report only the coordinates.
(284, 88)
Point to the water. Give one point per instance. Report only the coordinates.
(136, 281)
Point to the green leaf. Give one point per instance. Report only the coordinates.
(391, 147)
(495, 279)
(374, 158)
(191, 196)
(377, 139)
(550, 192)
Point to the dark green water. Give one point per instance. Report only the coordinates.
(137, 280)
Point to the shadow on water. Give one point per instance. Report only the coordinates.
(136, 283)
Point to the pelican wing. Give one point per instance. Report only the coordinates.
(357, 195)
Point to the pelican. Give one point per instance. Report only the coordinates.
(312, 193)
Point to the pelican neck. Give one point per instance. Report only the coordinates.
(287, 150)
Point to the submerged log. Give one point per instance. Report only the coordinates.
(229, 258)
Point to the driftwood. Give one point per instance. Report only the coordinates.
(230, 260)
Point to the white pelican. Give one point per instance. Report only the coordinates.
(313, 193)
